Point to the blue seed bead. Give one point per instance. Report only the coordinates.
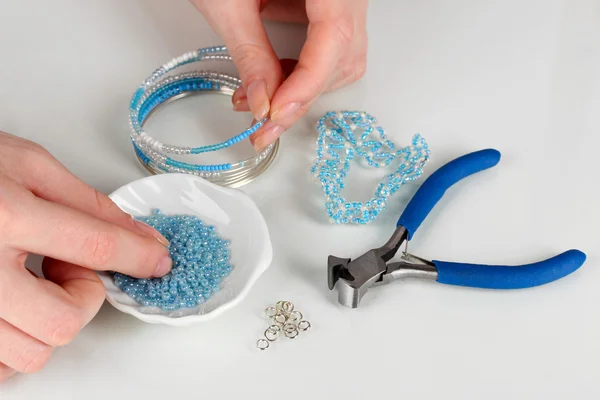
(200, 262)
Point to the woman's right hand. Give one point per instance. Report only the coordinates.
(46, 210)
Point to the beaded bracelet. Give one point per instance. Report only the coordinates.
(159, 89)
(347, 135)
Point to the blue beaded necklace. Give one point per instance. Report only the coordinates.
(347, 135)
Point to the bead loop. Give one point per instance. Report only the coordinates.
(160, 89)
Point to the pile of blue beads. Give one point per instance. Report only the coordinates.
(348, 135)
(201, 260)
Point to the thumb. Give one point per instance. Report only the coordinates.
(240, 26)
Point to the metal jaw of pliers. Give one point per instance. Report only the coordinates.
(353, 278)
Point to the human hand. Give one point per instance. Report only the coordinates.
(46, 210)
(334, 55)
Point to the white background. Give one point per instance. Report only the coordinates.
(519, 76)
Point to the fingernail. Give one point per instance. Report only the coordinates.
(258, 98)
(270, 134)
(241, 105)
(163, 267)
(285, 111)
(239, 94)
(150, 231)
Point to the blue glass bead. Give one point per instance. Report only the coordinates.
(194, 246)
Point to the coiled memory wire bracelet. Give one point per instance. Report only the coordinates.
(161, 88)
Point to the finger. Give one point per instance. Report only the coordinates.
(6, 372)
(239, 98)
(84, 287)
(20, 352)
(354, 65)
(46, 311)
(326, 43)
(40, 227)
(353, 70)
(271, 131)
(354, 73)
(50, 180)
(240, 26)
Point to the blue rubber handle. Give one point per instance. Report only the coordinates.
(509, 277)
(436, 185)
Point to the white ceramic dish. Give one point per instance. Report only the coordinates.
(235, 216)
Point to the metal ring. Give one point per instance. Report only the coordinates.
(262, 344)
(287, 306)
(296, 316)
(279, 305)
(304, 325)
(270, 312)
(274, 328)
(271, 336)
(280, 319)
(291, 334)
(288, 327)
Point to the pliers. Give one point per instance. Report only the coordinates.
(353, 278)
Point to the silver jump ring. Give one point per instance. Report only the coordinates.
(270, 312)
(295, 316)
(262, 344)
(288, 327)
(287, 306)
(280, 319)
(291, 334)
(271, 336)
(304, 325)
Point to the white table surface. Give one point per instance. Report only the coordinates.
(519, 76)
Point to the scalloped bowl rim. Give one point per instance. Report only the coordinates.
(258, 269)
